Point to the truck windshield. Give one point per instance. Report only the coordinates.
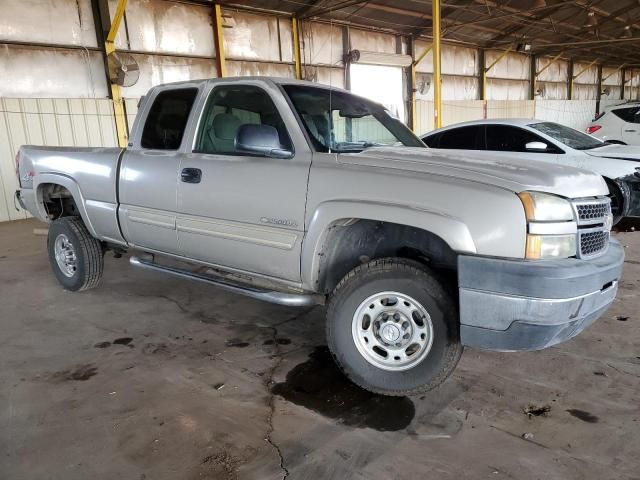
(340, 122)
(568, 136)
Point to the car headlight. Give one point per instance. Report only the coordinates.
(551, 227)
(543, 207)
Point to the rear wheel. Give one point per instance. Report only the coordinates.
(77, 259)
(393, 329)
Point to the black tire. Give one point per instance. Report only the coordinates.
(405, 277)
(88, 251)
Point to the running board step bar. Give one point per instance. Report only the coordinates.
(281, 298)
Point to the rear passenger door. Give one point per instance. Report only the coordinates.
(148, 179)
(244, 212)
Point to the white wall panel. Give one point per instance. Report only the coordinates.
(250, 36)
(513, 65)
(611, 76)
(589, 73)
(371, 41)
(51, 72)
(613, 93)
(456, 60)
(48, 121)
(157, 69)
(325, 75)
(499, 89)
(584, 92)
(573, 113)
(169, 27)
(245, 69)
(61, 22)
(321, 43)
(452, 112)
(552, 90)
(556, 72)
(510, 109)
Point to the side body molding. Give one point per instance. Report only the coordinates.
(452, 230)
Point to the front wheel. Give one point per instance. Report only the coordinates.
(393, 329)
(77, 258)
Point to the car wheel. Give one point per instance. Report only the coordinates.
(77, 259)
(393, 329)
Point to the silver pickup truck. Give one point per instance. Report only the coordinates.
(299, 194)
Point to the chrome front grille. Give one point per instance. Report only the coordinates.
(592, 242)
(593, 217)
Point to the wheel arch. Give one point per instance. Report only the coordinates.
(342, 235)
(62, 187)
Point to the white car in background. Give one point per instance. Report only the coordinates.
(538, 140)
(618, 124)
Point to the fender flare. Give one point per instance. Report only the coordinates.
(73, 187)
(450, 229)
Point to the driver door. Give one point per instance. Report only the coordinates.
(243, 212)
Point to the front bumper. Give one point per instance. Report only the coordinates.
(509, 305)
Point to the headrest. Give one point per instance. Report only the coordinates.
(225, 126)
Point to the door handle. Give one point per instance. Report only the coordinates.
(629, 131)
(191, 175)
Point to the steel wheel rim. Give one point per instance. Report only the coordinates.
(65, 254)
(392, 331)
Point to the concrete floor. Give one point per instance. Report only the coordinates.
(149, 377)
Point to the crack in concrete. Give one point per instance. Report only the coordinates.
(272, 399)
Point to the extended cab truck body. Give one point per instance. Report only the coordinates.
(300, 194)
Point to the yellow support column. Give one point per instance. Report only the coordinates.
(116, 91)
(437, 73)
(218, 39)
(296, 47)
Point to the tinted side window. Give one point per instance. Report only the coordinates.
(432, 140)
(463, 138)
(167, 119)
(227, 109)
(504, 138)
(630, 115)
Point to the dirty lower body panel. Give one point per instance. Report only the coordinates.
(509, 305)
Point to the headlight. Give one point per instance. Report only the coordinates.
(551, 227)
(543, 207)
(550, 246)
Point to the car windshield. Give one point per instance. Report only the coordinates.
(568, 136)
(340, 122)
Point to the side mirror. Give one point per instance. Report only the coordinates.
(536, 147)
(260, 139)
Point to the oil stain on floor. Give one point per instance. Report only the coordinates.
(319, 385)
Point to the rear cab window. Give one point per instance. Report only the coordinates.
(167, 119)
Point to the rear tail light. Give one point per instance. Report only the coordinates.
(593, 128)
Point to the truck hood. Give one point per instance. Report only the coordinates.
(618, 152)
(509, 173)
